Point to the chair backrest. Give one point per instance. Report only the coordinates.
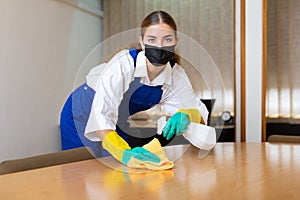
(284, 138)
(209, 103)
(45, 160)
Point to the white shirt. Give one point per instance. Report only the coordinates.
(114, 82)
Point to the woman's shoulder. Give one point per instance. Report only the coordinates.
(121, 54)
(122, 57)
(125, 53)
(120, 63)
(179, 74)
(178, 70)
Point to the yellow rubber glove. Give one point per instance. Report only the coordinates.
(193, 113)
(120, 150)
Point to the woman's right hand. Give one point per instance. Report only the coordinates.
(141, 154)
(120, 150)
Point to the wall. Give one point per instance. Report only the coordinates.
(253, 72)
(237, 71)
(206, 40)
(43, 43)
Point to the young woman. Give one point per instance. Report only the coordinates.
(133, 81)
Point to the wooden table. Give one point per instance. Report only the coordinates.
(230, 171)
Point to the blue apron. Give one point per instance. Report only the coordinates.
(77, 108)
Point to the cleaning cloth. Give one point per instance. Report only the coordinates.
(154, 147)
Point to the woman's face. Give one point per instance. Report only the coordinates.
(159, 35)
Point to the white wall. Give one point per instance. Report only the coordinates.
(237, 71)
(43, 43)
(254, 70)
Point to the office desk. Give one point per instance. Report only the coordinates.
(230, 171)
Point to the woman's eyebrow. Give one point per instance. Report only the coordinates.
(152, 36)
(168, 35)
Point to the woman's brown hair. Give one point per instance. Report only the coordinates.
(158, 17)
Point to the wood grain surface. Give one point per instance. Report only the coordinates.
(229, 171)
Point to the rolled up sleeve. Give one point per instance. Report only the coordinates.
(112, 84)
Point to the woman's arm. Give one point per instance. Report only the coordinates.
(180, 95)
(112, 84)
(102, 133)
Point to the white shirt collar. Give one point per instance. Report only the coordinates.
(165, 77)
(141, 66)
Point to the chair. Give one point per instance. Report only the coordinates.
(284, 138)
(45, 160)
(209, 103)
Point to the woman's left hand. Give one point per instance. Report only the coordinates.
(177, 124)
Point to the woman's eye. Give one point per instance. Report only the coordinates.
(151, 40)
(168, 40)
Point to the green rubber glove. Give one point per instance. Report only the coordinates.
(177, 124)
(180, 121)
(139, 153)
(120, 150)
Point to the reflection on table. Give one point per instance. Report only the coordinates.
(229, 171)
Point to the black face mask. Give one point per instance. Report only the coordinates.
(159, 56)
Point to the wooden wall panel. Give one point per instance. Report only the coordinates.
(209, 23)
